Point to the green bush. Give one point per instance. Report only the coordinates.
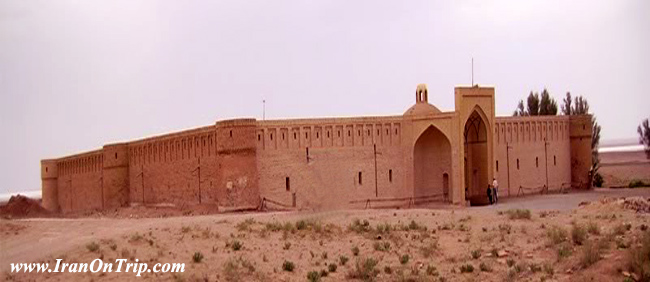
(636, 183)
(466, 268)
(332, 267)
(197, 257)
(288, 266)
(343, 260)
(313, 276)
(519, 214)
(355, 251)
(93, 247)
(364, 270)
(598, 180)
(382, 247)
(404, 259)
(639, 258)
(578, 234)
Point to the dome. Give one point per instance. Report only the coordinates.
(422, 106)
(422, 109)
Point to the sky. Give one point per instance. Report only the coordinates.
(75, 75)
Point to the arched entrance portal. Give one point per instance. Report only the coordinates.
(432, 164)
(476, 159)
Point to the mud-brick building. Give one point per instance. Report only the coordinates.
(424, 155)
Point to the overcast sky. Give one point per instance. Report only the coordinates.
(75, 75)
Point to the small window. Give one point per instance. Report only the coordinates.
(116, 156)
(271, 136)
(554, 161)
(259, 137)
(317, 135)
(349, 133)
(283, 136)
(368, 132)
(396, 131)
(295, 135)
(390, 175)
(360, 179)
(305, 134)
(231, 134)
(536, 162)
(45, 169)
(517, 163)
(287, 184)
(359, 132)
(497, 166)
(328, 134)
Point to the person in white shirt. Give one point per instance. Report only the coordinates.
(495, 186)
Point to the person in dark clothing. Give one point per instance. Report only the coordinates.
(489, 194)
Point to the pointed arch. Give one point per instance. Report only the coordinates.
(431, 162)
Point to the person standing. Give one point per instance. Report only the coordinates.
(495, 186)
(489, 194)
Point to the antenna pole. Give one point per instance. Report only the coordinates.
(263, 109)
(472, 71)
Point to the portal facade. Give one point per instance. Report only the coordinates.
(422, 156)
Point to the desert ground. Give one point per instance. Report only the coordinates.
(584, 236)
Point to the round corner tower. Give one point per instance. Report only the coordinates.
(49, 190)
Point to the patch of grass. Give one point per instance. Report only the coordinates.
(184, 229)
(639, 258)
(323, 255)
(578, 234)
(484, 267)
(505, 228)
(466, 268)
(235, 245)
(359, 226)
(621, 229)
(636, 183)
(92, 246)
(135, 237)
(476, 254)
(355, 251)
(548, 269)
(556, 234)
(197, 257)
(364, 270)
(590, 254)
(288, 266)
(238, 269)
(113, 246)
(286, 246)
(245, 225)
(415, 226)
(519, 214)
(429, 249)
(534, 268)
(593, 228)
(313, 276)
(332, 267)
(388, 269)
(432, 270)
(343, 260)
(385, 228)
(510, 262)
(382, 247)
(563, 251)
(404, 259)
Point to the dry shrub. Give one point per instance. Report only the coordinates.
(639, 258)
(364, 270)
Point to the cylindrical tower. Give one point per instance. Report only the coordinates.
(49, 189)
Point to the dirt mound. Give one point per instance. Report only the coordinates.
(22, 206)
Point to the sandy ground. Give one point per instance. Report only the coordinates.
(438, 242)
